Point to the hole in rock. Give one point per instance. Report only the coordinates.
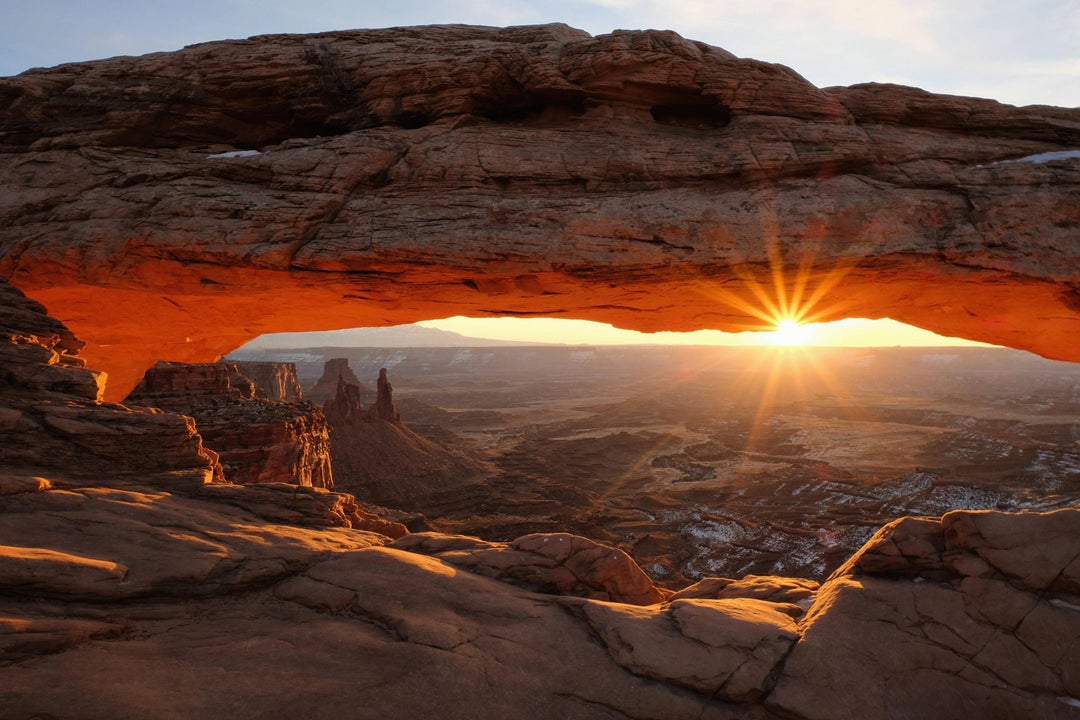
(699, 454)
(520, 106)
(702, 112)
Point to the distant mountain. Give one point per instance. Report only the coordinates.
(403, 336)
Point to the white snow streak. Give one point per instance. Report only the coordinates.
(234, 154)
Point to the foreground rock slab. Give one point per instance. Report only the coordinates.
(946, 620)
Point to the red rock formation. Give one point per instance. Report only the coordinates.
(635, 178)
(384, 408)
(274, 381)
(977, 610)
(51, 421)
(381, 460)
(307, 506)
(972, 615)
(335, 371)
(557, 563)
(259, 441)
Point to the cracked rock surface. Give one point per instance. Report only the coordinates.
(945, 619)
(122, 595)
(558, 563)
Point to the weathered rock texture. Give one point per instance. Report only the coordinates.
(384, 408)
(636, 178)
(381, 460)
(274, 381)
(946, 619)
(258, 440)
(51, 421)
(557, 563)
(335, 371)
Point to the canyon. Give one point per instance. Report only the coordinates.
(171, 207)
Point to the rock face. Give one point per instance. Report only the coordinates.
(380, 460)
(556, 563)
(51, 421)
(335, 371)
(258, 440)
(636, 178)
(944, 618)
(384, 408)
(274, 381)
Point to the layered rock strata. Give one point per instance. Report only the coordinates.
(274, 381)
(52, 420)
(636, 178)
(335, 372)
(258, 440)
(381, 460)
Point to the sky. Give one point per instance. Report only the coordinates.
(1019, 51)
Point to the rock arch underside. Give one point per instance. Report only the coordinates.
(176, 205)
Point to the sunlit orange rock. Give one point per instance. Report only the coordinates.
(52, 421)
(637, 178)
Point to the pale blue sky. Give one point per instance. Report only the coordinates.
(1023, 51)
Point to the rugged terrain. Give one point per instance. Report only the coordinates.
(258, 440)
(135, 596)
(172, 206)
(380, 459)
(706, 461)
(166, 206)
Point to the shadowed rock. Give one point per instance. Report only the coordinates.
(381, 460)
(384, 408)
(335, 371)
(274, 381)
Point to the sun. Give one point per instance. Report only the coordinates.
(789, 332)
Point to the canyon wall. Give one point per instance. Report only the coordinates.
(52, 420)
(165, 206)
(258, 440)
(274, 381)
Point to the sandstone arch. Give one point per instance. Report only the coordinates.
(636, 178)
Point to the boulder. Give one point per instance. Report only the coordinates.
(557, 563)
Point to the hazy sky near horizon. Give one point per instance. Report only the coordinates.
(1019, 51)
